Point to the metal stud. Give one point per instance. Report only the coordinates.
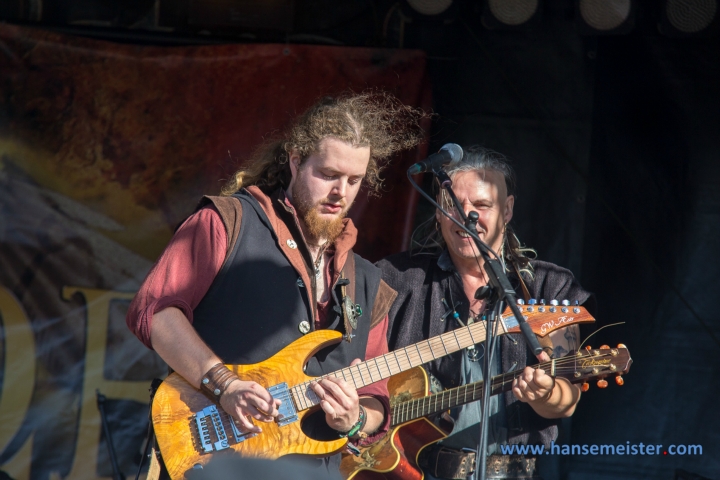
(291, 243)
(304, 327)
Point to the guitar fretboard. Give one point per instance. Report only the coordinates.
(567, 367)
(384, 366)
(447, 399)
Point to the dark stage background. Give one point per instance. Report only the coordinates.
(615, 141)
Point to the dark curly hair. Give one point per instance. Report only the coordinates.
(377, 120)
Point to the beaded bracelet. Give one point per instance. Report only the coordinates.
(355, 429)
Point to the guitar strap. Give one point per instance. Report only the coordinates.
(545, 341)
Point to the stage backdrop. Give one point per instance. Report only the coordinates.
(104, 149)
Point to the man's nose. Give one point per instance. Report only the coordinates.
(340, 187)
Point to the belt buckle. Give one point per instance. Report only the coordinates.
(469, 460)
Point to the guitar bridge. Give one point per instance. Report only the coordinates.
(216, 430)
(212, 429)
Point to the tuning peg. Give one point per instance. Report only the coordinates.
(532, 301)
(554, 302)
(621, 345)
(566, 302)
(588, 347)
(602, 383)
(542, 301)
(577, 303)
(604, 347)
(585, 387)
(620, 380)
(520, 301)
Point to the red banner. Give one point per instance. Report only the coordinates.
(104, 149)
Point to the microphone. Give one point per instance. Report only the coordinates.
(449, 154)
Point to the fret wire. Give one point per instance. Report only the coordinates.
(417, 347)
(357, 367)
(380, 371)
(352, 375)
(407, 354)
(456, 340)
(430, 347)
(384, 357)
(367, 367)
(397, 361)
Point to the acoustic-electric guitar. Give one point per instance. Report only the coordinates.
(395, 456)
(190, 428)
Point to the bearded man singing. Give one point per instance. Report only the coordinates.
(257, 268)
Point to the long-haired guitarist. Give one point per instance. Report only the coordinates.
(271, 259)
(436, 287)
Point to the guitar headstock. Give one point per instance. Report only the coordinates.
(545, 318)
(598, 363)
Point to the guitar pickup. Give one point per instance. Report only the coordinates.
(287, 412)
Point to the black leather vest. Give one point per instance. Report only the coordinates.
(257, 301)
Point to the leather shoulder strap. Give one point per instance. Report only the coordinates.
(230, 210)
(383, 301)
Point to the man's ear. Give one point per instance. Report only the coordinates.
(294, 160)
(509, 204)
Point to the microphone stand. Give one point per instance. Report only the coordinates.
(498, 291)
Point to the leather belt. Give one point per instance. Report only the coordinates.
(451, 464)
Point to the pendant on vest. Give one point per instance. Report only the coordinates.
(353, 311)
(304, 327)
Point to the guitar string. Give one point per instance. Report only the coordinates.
(421, 404)
(429, 346)
(499, 382)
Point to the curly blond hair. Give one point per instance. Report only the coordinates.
(377, 120)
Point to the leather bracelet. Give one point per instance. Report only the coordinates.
(216, 380)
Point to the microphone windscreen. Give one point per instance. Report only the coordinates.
(455, 151)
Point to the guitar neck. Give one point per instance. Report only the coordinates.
(542, 319)
(574, 368)
(397, 361)
(447, 399)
